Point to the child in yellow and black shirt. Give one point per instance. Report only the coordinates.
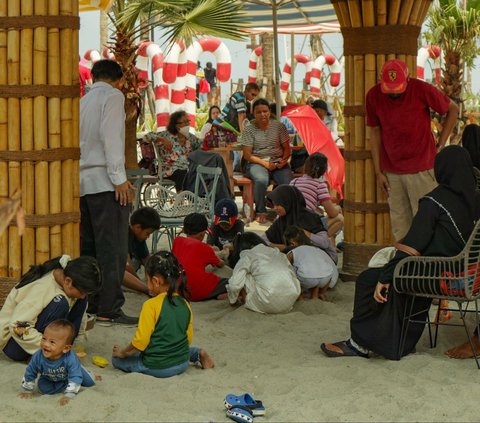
(161, 346)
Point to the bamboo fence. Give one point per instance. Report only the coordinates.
(373, 31)
(39, 139)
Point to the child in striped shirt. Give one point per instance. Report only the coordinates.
(316, 193)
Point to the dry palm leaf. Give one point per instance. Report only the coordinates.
(9, 209)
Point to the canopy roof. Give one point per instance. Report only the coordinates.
(293, 16)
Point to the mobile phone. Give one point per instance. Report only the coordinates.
(22, 325)
(384, 293)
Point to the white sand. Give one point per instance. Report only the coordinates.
(275, 358)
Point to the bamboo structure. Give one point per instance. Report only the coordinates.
(39, 139)
(373, 31)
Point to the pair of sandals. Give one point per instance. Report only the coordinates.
(243, 408)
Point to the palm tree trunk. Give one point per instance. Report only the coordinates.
(266, 41)
(316, 45)
(103, 29)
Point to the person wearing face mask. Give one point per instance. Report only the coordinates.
(402, 144)
(175, 144)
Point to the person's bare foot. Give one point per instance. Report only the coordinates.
(222, 296)
(464, 350)
(206, 360)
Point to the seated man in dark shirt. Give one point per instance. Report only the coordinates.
(143, 222)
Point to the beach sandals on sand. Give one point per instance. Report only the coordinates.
(243, 408)
(347, 350)
(240, 414)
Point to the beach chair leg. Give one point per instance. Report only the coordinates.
(405, 325)
(462, 315)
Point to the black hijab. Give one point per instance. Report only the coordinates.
(292, 200)
(471, 142)
(457, 187)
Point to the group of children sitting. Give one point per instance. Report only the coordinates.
(262, 277)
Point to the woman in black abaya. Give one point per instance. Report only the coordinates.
(378, 309)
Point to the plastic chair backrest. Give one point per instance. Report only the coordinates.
(207, 179)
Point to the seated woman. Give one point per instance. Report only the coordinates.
(443, 223)
(266, 148)
(175, 144)
(289, 204)
(471, 142)
(56, 289)
(213, 113)
(262, 276)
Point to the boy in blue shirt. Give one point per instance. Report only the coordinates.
(58, 366)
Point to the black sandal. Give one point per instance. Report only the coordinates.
(348, 350)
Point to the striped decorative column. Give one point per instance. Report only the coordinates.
(373, 31)
(39, 129)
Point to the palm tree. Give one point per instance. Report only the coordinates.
(456, 28)
(183, 20)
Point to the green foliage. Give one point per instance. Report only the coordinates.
(186, 19)
(455, 29)
(200, 120)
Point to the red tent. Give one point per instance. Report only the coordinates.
(318, 139)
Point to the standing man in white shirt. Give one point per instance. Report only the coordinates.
(105, 193)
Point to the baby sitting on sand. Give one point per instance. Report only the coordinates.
(58, 366)
(262, 278)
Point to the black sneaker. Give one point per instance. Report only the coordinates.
(123, 320)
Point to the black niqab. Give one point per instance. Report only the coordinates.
(296, 213)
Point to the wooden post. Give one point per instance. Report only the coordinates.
(373, 31)
(39, 137)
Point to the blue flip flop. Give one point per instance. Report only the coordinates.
(246, 400)
(240, 414)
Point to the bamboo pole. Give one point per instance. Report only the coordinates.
(405, 11)
(368, 14)
(3, 138)
(393, 11)
(75, 136)
(14, 142)
(381, 12)
(66, 129)
(42, 238)
(28, 168)
(54, 141)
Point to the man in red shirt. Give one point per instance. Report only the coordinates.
(194, 255)
(402, 143)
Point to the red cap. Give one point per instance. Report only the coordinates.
(394, 77)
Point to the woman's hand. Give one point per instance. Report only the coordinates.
(381, 292)
(269, 165)
(118, 352)
(168, 145)
(282, 163)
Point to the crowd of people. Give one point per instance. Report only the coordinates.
(434, 205)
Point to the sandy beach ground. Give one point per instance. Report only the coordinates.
(277, 359)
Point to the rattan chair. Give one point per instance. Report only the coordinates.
(455, 279)
(173, 207)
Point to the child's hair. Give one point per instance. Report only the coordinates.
(245, 241)
(146, 217)
(65, 324)
(297, 234)
(84, 272)
(107, 69)
(166, 265)
(316, 165)
(194, 223)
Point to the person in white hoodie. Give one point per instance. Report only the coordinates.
(56, 289)
(262, 277)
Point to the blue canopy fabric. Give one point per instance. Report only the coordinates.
(293, 16)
